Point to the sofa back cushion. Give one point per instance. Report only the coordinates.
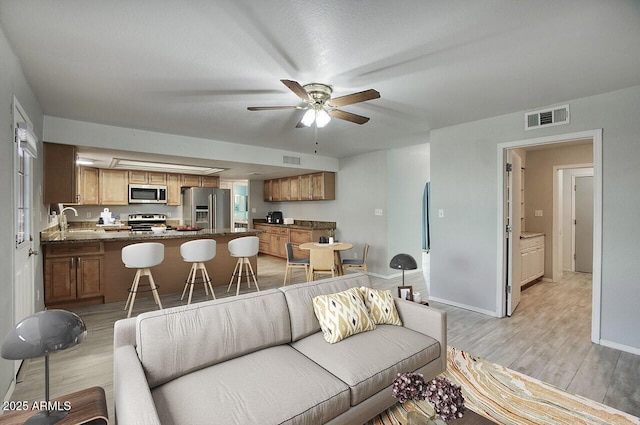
(300, 300)
(176, 341)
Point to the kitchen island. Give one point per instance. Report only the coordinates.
(84, 267)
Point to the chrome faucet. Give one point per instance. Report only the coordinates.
(62, 220)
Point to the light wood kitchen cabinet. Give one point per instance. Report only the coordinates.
(173, 189)
(191, 180)
(307, 187)
(60, 174)
(114, 187)
(532, 259)
(294, 188)
(268, 185)
(323, 186)
(73, 273)
(88, 181)
(210, 181)
(147, 177)
(275, 191)
(273, 241)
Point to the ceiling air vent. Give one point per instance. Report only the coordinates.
(546, 117)
(291, 160)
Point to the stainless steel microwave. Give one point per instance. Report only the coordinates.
(147, 194)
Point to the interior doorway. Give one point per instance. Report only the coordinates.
(504, 264)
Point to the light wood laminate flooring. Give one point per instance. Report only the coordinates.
(547, 338)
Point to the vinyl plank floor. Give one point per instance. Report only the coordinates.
(548, 337)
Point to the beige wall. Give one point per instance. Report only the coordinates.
(538, 190)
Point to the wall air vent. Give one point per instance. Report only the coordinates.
(291, 160)
(546, 117)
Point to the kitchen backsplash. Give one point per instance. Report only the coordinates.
(122, 212)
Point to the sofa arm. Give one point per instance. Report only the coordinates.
(124, 332)
(132, 397)
(426, 320)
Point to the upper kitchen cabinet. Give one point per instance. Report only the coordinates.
(174, 182)
(147, 177)
(323, 186)
(114, 187)
(307, 187)
(88, 186)
(189, 180)
(60, 174)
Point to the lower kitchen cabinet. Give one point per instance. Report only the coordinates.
(273, 241)
(73, 274)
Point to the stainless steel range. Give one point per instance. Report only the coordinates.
(144, 222)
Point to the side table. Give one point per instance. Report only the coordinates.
(87, 407)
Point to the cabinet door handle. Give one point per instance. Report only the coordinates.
(73, 261)
(79, 261)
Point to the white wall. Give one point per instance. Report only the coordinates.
(13, 82)
(464, 183)
(390, 180)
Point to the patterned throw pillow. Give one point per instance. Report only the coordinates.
(342, 314)
(381, 306)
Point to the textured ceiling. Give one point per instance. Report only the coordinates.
(192, 67)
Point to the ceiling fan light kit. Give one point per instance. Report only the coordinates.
(320, 106)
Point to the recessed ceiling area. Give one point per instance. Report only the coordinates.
(105, 158)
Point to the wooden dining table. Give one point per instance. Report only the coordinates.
(336, 247)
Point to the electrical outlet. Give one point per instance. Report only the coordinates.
(168, 215)
(253, 210)
(538, 213)
(355, 255)
(88, 214)
(441, 213)
(38, 295)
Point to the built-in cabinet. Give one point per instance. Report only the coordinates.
(114, 187)
(173, 189)
(88, 181)
(189, 180)
(147, 177)
(73, 274)
(307, 187)
(60, 173)
(273, 241)
(532, 258)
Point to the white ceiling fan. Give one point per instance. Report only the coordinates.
(319, 104)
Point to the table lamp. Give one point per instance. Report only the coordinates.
(39, 335)
(403, 262)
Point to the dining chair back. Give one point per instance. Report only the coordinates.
(293, 263)
(357, 263)
(321, 261)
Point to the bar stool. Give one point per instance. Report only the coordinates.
(243, 249)
(142, 256)
(197, 252)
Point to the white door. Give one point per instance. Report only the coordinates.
(514, 261)
(23, 226)
(583, 224)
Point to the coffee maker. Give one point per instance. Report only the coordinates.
(276, 217)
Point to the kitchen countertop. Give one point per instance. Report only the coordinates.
(527, 235)
(102, 236)
(300, 224)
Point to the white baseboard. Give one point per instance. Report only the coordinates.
(621, 347)
(466, 307)
(7, 396)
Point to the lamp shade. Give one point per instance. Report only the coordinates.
(403, 262)
(43, 333)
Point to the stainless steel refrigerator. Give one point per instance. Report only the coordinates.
(206, 208)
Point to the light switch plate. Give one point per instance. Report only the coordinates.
(538, 213)
(441, 213)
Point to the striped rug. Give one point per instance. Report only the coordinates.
(511, 398)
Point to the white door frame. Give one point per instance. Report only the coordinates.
(596, 136)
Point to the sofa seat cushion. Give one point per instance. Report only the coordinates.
(276, 385)
(369, 362)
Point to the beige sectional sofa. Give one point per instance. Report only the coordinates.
(260, 358)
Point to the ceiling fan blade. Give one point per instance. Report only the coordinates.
(272, 108)
(300, 125)
(352, 98)
(295, 87)
(348, 116)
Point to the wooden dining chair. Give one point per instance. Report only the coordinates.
(321, 261)
(293, 262)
